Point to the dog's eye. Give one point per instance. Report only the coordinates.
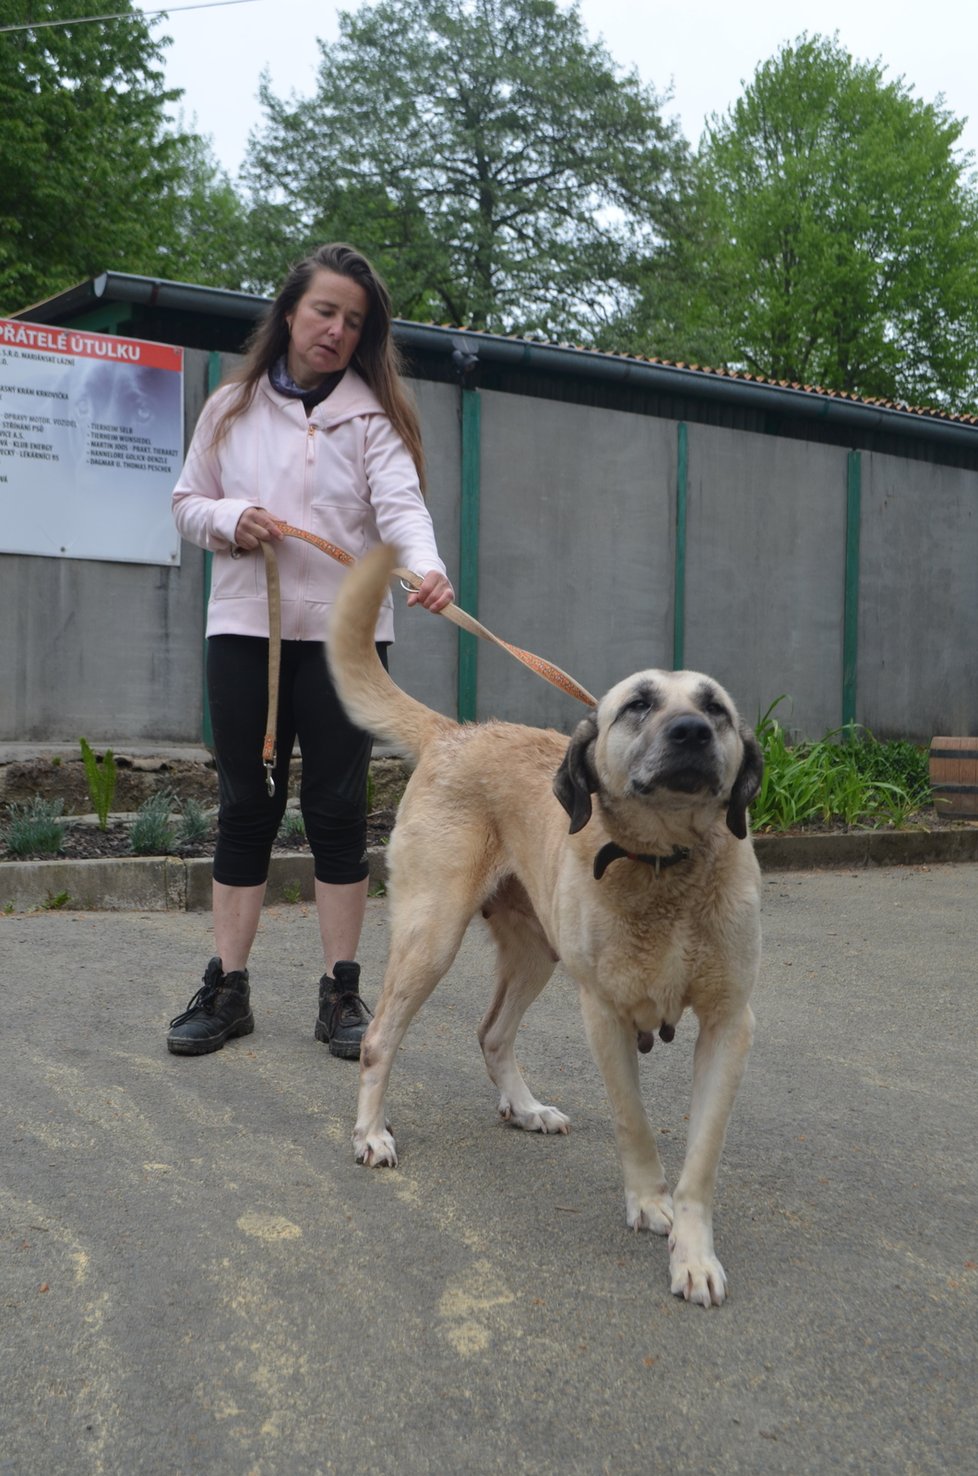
(717, 709)
(638, 705)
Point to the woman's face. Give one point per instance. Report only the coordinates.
(325, 327)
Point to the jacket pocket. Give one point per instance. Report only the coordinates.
(237, 578)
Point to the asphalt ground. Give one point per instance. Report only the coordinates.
(195, 1276)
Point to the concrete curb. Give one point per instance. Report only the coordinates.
(866, 848)
(169, 884)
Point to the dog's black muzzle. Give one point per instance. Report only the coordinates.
(685, 760)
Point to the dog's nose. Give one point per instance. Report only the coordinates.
(690, 731)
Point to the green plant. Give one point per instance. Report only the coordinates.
(101, 781)
(55, 900)
(35, 828)
(292, 892)
(8, 908)
(847, 776)
(152, 833)
(193, 824)
(293, 827)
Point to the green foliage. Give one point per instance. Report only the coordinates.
(828, 237)
(54, 901)
(847, 777)
(92, 172)
(193, 824)
(292, 892)
(152, 833)
(293, 827)
(493, 160)
(101, 781)
(208, 241)
(35, 828)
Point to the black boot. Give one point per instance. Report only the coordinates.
(218, 1011)
(343, 1016)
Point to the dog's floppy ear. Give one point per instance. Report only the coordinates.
(575, 781)
(746, 784)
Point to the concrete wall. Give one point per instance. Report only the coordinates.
(765, 573)
(918, 613)
(577, 562)
(575, 553)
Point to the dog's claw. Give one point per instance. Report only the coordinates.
(696, 1276)
(651, 1212)
(705, 1286)
(535, 1117)
(375, 1151)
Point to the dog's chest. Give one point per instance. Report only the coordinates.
(644, 966)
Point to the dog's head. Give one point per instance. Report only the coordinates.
(668, 740)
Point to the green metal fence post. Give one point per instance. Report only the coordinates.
(206, 729)
(679, 577)
(468, 576)
(850, 618)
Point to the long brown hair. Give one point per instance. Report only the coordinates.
(377, 358)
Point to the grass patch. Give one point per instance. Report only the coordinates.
(193, 824)
(293, 827)
(35, 828)
(846, 778)
(152, 833)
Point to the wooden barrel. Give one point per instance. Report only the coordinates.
(954, 777)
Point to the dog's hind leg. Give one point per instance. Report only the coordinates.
(648, 1205)
(422, 951)
(524, 963)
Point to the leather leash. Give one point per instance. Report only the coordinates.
(546, 669)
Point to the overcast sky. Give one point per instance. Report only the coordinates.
(703, 51)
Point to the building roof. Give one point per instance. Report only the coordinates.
(219, 320)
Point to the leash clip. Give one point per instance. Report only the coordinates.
(269, 781)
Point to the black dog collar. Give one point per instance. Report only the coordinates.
(610, 852)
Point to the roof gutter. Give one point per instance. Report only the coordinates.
(672, 379)
(151, 291)
(516, 353)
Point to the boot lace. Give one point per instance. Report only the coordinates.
(350, 1010)
(201, 1004)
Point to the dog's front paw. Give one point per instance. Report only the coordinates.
(534, 1117)
(696, 1275)
(376, 1150)
(649, 1211)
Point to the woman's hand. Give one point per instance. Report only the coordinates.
(434, 593)
(256, 526)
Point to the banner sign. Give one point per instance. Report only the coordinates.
(91, 444)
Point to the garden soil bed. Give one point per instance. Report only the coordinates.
(139, 780)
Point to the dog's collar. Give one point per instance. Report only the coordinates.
(611, 852)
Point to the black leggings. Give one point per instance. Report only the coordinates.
(335, 760)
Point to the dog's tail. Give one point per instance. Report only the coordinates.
(372, 700)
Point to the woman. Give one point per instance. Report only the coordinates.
(317, 430)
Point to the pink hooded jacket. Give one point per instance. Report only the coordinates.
(343, 473)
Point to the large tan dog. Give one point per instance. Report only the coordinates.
(650, 900)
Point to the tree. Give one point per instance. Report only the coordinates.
(92, 175)
(830, 238)
(490, 158)
(208, 231)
